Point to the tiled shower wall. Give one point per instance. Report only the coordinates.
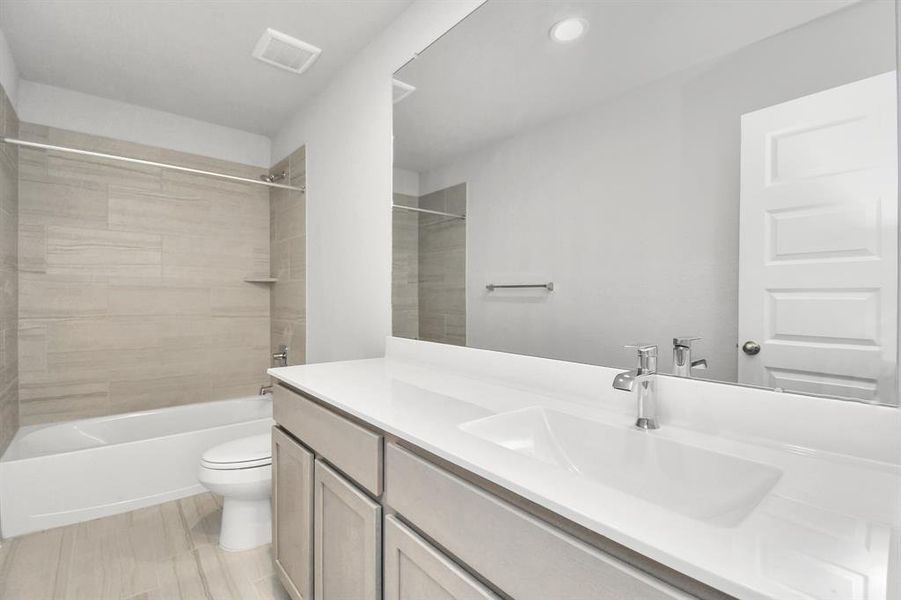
(9, 277)
(429, 268)
(442, 267)
(288, 240)
(405, 269)
(131, 291)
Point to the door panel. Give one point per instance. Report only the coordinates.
(292, 515)
(415, 570)
(347, 541)
(819, 243)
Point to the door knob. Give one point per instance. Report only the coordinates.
(750, 348)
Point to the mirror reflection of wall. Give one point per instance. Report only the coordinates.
(725, 170)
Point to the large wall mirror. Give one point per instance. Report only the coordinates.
(572, 177)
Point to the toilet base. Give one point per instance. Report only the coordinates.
(246, 524)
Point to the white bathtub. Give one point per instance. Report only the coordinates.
(62, 473)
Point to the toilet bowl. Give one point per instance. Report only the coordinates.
(241, 472)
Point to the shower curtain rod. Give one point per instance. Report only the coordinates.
(430, 212)
(149, 163)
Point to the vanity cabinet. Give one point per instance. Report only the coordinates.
(292, 515)
(444, 537)
(354, 450)
(347, 543)
(416, 570)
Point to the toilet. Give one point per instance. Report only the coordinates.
(241, 472)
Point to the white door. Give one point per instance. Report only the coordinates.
(818, 258)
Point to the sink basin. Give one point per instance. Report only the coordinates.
(708, 486)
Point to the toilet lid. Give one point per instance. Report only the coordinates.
(243, 453)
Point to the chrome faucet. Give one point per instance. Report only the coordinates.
(645, 379)
(682, 362)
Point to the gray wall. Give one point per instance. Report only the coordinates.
(9, 275)
(131, 290)
(632, 207)
(288, 245)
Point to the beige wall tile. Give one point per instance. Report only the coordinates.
(205, 258)
(40, 296)
(149, 212)
(298, 250)
(280, 259)
(122, 333)
(157, 392)
(442, 268)
(131, 281)
(161, 297)
(289, 214)
(131, 363)
(289, 300)
(9, 411)
(405, 269)
(103, 252)
(240, 332)
(46, 203)
(75, 171)
(32, 347)
(287, 244)
(32, 248)
(249, 300)
(9, 275)
(47, 401)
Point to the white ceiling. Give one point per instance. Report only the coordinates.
(189, 57)
(498, 72)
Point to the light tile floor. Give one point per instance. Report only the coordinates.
(164, 552)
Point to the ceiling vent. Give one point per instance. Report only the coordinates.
(401, 90)
(281, 50)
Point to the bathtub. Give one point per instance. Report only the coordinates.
(62, 473)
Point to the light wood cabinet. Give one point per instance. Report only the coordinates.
(355, 450)
(415, 570)
(526, 558)
(448, 537)
(292, 515)
(347, 540)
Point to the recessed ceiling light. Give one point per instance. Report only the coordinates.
(568, 30)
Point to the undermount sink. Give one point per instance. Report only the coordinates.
(708, 486)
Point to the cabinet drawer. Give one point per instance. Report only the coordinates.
(523, 556)
(355, 450)
(415, 570)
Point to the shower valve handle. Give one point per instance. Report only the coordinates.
(282, 355)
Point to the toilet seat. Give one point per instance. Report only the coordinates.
(245, 453)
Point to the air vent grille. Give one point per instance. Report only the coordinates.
(281, 50)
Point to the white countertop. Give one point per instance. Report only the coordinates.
(829, 529)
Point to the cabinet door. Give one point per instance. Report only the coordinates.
(292, 515)
(347, 541)
(415, 570)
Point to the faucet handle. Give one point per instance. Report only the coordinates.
(686, 340)
(650, 349)
(647, 357)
